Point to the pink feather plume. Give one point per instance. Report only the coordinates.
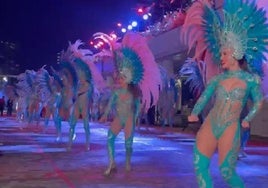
(87, 56)
(151, 82)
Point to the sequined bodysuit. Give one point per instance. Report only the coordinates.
(232, 89)
(126, 110)
(229, 102)
(123, 102)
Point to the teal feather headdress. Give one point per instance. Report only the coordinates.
(243, 28)
(129, 64)
(79, 63)
(135, 62)
(29, 78)
(67, 67)
(46, 80)
(193, 71)
(57, 79)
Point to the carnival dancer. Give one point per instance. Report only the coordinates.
(69, 80)
(23, 90)
(50, 87)
(137, 82)
(28, 85)
(241, 35)
(89, 81)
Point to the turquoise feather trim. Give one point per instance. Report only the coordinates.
(47, 79)
(243, 27)
(195, 79)
(68, 66)
(29, 79)
(84, 67)
(128, 58)
(212, 28)
(57, 79)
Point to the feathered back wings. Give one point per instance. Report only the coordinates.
(84, 59)
(134, 59)
(150, 83)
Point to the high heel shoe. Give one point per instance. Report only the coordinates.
(110, 170)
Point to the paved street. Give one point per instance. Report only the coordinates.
(162, 158)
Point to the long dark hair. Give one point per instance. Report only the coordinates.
(243, 64)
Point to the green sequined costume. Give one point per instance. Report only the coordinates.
(223, 122)
(126, 111)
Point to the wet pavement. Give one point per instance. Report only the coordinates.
(162, 158)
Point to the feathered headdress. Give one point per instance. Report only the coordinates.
(75, 55)
(56, 78)
(26, 83)
(129, 64)
(44, 83)
(83, 59)
(48, 85)
(135, 61)
(194, 71)
(243, 28)
(192, 34)
(67, 69)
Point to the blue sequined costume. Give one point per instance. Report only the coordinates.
(225, 114)
(126, 107)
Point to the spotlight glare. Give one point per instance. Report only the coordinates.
(119, 25)
(129, 27)
(134, 24)
(5, 79)
(140, 10)
(145, 16)
(123, 30)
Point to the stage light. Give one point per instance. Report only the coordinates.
(129, 27)
(91, 42)
(5, 79)
(123, 30)
(119, 25)
(134, 24)
(145, 16)
(140, 10)
(97, 46)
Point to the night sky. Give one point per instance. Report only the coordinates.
(42, 28)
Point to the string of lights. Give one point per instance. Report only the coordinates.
(149, 17)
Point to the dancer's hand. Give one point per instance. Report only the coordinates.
(245, 124)
(193, 118)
